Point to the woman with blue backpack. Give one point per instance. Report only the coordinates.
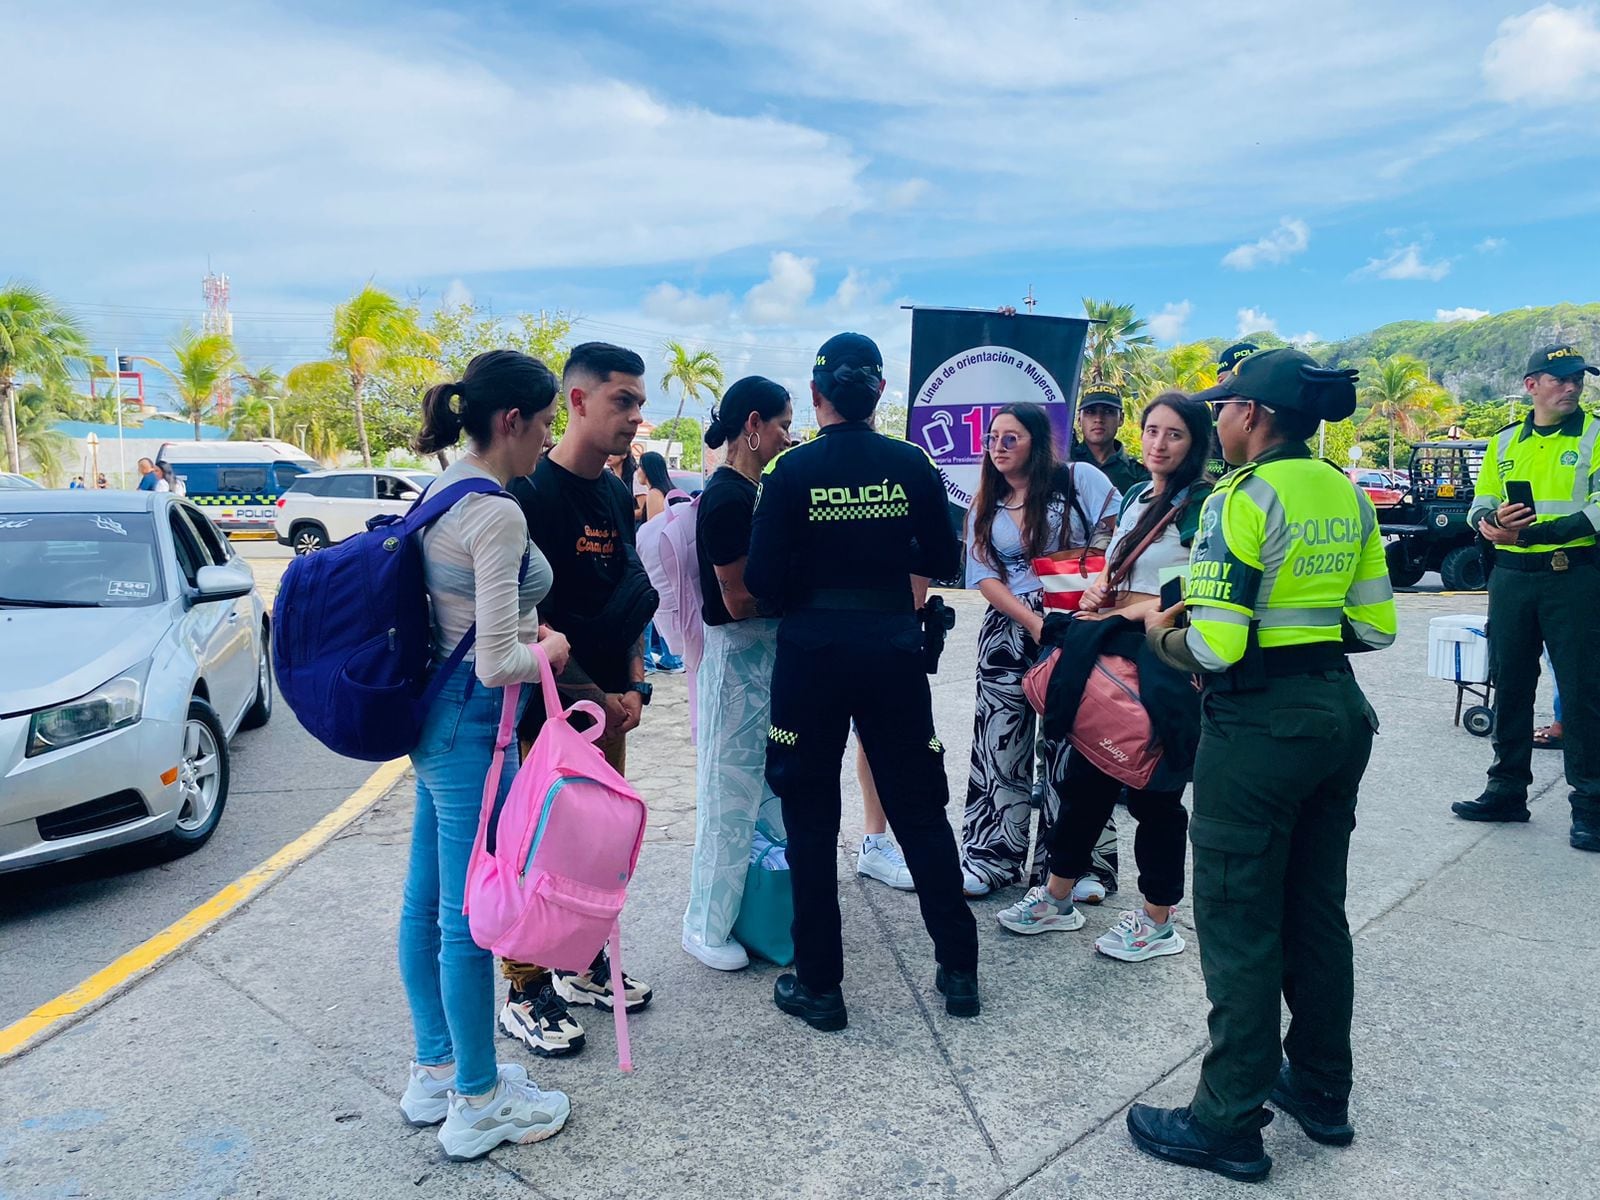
(735, 679)
(484, 578)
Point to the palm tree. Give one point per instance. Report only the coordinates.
(37, 409)
(205, 361)
(372, 331)
(1187, 368)
(692, 373)
(1116, 346)
(1399, 396)
(37, 337)
(257, 410)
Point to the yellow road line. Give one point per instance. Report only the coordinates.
(18, 1036)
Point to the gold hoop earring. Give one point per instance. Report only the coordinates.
(753, 442)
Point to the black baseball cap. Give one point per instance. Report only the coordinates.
(847, 358)
(1099, 394)
(1558, 360)
(1230, 358)
(1289, 379)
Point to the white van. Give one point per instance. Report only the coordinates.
(237, 483)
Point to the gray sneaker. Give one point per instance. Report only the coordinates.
(516, 1111)
(1040, 912)
(1136, 937)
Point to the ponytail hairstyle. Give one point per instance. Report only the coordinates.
(493, 382)
(654, 467)
(1046, 484)
(752, 394)
(1197, 417)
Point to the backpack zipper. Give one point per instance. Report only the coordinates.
(544, 817)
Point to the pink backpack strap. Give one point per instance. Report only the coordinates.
(619, 1000)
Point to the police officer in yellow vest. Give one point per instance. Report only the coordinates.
(1287, 577)
(1544, 590)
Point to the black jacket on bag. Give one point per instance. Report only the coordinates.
(1168, 695)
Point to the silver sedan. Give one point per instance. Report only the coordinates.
(133, 645)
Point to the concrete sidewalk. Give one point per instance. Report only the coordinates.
(267, 1059)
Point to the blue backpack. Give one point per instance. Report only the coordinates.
(351, 638)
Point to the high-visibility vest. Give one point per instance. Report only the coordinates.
(1563, 468)
(1290, 546)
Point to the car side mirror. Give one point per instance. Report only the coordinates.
(232, 582)
(410, 495)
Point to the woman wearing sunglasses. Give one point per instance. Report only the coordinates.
(1175, 435)
(1029, 505)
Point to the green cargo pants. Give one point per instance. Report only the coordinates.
(1529, 611)
(1275, 785)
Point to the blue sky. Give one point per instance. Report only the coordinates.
(754, 178)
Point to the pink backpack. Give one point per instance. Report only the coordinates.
(668, 549)
(565, 845)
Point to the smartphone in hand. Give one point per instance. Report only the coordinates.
(1172, 592)
(1520, 491)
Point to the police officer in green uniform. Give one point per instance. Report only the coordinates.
(1287, 577)
(1226, 362)
(1544, 590)
(1099, 418)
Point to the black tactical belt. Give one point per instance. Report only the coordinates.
(1281, 662)
(854, 600)
(1545, 560)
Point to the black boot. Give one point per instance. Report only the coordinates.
(1324, 1118)
(820, 1010)
(1173, 1134)
(960, 991)
(1585, 833)
(1492, 806)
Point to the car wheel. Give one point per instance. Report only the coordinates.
(1402, 572)
(260, 712)
(308, 539)
(1462, 570)
(202, 781)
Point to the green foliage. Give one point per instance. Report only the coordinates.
(696, 372)
(204, 361)
(890, 420)
(686, 431)
(1402, 401)
(38, 340)
(1337, 437)
(1117, 345)
(36, 411)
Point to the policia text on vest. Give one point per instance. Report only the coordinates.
(1544, 590)
(1287, 576)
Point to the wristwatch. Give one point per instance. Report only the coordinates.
(644, 690)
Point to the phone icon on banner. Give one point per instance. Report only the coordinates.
(936, 434)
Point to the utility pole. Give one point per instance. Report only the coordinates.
(1030, 299)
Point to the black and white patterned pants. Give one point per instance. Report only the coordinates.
(994, 830)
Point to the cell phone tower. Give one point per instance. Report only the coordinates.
(218, 320)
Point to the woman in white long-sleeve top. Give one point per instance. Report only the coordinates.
(473, 564)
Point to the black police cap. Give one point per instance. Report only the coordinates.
(1235, 354)
(1558, 360)
(847, 358)
(1289, 379)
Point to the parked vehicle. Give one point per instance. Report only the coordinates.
(325, 507)
(134, 647)
(237, 483)
(1428, 528)
(1384, 490)
(692, 482)
(8, 480)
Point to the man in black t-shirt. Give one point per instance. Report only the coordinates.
(580, 515)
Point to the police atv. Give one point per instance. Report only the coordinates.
(1428, 528)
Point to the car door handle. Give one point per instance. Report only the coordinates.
(233, 618)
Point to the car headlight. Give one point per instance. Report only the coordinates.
(114, 705)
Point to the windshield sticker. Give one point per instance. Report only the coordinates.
(23, 524)
(127, 589)
(109, 526)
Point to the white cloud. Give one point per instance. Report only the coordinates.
(1290, 238)
(1405, 262)
(1253, 320)
(907, 195)
(1545, 57)
(1490, 245)
(856, 290)
(336, 151)
(456, 295)
(1167, 325)
(1308, 338)
(1460, 314)
(667, 302)
(779, 298)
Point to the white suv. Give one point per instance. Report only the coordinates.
(325, 507)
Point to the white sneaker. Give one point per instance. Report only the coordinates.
(730, 956)
(1088, 890)
(973, 886)
(880, 859)
(516, 1111)
(426, 1100)
(1136, 937)
(1040, 912)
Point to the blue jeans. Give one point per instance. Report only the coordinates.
(656, 651)
(449, 979)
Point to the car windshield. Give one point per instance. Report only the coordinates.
(78, 560)
(419, 479)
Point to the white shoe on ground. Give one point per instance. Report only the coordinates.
(730, 956)
(1040, 912)
(880, 859)
(516, 1111)
(1088, 890)
(427, 1099)
(973, 886)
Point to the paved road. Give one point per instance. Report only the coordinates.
(60, 924)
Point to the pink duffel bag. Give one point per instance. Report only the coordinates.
(566, 842)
